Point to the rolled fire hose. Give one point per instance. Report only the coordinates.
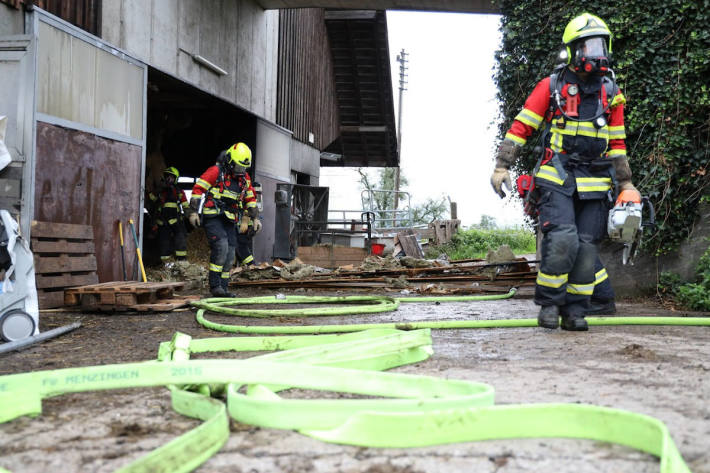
(418, 411)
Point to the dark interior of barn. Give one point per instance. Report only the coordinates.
(187, 128)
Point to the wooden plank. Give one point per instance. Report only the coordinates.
(128, 286)
(64, 264)
(62, 246)
(324, 251)
(106, 298)
(166, 304)
(125, 299)
(410, 245)
(66, 230)
(65, 280)
(332, 257)
(50, 300)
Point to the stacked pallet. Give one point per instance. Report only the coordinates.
(64, 256)
(119, 296)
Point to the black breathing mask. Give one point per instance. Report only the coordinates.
(591, 55)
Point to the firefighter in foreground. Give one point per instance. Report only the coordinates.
(227, 189)
(168, 205)
(582, 111)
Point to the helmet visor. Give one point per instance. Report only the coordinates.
(592, 47)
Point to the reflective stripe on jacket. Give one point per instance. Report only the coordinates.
(225, 194)
(167, 202)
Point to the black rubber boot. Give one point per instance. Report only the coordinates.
(573, 317)
(549, 317)
(574, 323)
(225, 287)
(218, 291)
(601, 307)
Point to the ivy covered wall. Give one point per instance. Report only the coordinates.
(661, 53)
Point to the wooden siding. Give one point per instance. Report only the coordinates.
(306, 100)
(85, 14)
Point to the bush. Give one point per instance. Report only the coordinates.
(695, 295)
(476, 242)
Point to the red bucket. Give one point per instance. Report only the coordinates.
(377, 249)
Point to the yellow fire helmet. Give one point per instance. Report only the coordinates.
(239, 155)
(172, 171)
(587, 41)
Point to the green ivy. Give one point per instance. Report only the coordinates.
(661, 50)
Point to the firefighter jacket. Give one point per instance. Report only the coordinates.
(578, 153)
(169, 203)
(224, 194)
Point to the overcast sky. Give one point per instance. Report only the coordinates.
(448, 134)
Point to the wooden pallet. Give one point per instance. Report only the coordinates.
(64, 256)
(128, 295)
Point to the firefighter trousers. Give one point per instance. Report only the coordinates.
(244, 248)
(222, 238)
(172, 240)
(572, 229)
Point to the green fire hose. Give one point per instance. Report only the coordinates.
(415, 411)
(408, 410)
(383, 304)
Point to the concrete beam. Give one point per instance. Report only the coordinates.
(464, 6)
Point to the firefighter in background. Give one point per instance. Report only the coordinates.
(584, 160)
(226, 187)
(168, 205)
(248, 227)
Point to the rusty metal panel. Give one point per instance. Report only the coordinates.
(86, 179)
(306, 100)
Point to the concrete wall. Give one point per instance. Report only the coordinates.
(236, 35)
(11, 21)
(306, 160)
(642, 277)
(273, 145)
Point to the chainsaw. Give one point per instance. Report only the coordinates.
(625, 225)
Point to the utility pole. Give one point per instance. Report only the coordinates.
(402, 59)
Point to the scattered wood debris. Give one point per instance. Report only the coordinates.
(411, 274)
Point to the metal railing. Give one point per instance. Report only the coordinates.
(390, 218)
(356, 226)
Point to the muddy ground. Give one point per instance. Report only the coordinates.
(660, 371)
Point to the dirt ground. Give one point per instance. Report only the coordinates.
(660, 371)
